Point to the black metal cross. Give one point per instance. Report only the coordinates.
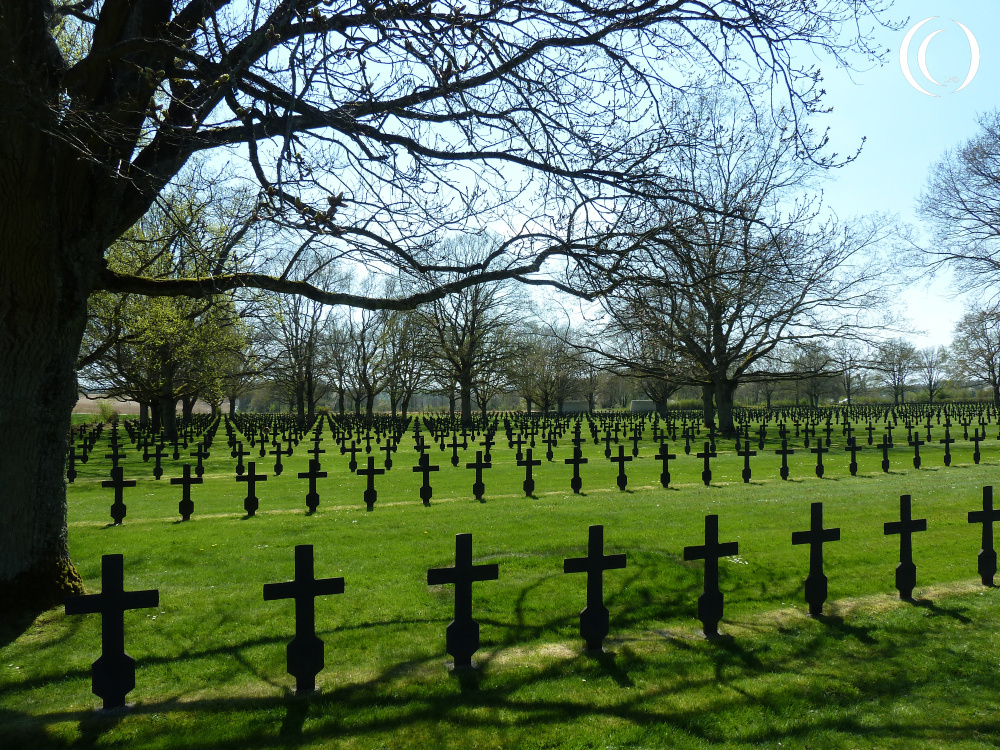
(278, 452)
(976, 440)
(462, 634)
(819, 450)
(665, 455)
(947, 440)
(478, 488)
(115, 457)
(424, 466)
(519, 441)
(987, 555)
(305, 651)
(119, 484)
(353, 450)
(710, 601)
(576, 483)
(158, 456)
(885, 445)
(708, 454)
(186, 505)
(621, 459)
(239, 454)
(784, 452)
(594, 618)
(529, 480)
(906, 571)
(201, 454)
(816, 583)
(746, 453)
(112, 675)
(455, 445)
(251, 503)
(314, 473)
(852, 446)
(916, 442)
(371, 495)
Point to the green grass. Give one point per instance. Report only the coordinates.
(210, 660)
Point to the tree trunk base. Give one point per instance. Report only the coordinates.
(38, 589)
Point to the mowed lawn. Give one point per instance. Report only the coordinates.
(210, 660)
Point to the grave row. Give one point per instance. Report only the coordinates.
(113, 674)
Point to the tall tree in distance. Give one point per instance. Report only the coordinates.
(471, 330)
(975, 348)
(713, 287)
(896, 361)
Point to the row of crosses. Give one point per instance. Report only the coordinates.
(113, 674)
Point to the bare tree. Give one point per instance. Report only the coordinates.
(975, 348)
(932, 363)
(471, 329)
(852, 361)
(961, 203)
(712, 293)
(896, 361)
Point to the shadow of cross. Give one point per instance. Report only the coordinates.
(906, 571)
(710, 602)
(594, 618)
(816, 587)
(118, 483)
(186, 505)
(987, 555)
(113, 674)
(462, 634)
(305, 651)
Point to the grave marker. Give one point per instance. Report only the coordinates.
(816, 582)
(906, 571)
(462, 633)
(251, 503)
(594, 618)
(186, 505)
(305, 652)
(987, 559)
(113, 674)
(710, 601)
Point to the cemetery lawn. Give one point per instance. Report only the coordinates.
(210, 659)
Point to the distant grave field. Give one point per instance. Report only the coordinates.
(210, 657)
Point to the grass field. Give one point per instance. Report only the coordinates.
(210, 660)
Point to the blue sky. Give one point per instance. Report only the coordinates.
(907, 131)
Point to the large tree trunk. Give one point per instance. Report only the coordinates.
(143, 414)
(465, 399)
(708, 405)
(724, 391)
(42, 317)
(187, 408)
